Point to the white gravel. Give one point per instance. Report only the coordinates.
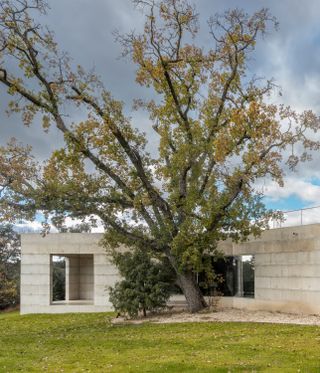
(226, 315)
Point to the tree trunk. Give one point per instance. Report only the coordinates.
(189, 287)
(191, 291)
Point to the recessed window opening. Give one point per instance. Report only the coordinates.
(247, 276)
(58, 278)
(235, 277)
(72, 280)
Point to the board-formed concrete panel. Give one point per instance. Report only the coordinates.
(287, 269)
(89, 273)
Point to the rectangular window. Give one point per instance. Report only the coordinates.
(72, 279)
(235, 277)
(58, 265)
(247, 278)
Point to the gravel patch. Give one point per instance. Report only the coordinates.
(225, 315)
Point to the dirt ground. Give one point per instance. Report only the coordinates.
(225, 315)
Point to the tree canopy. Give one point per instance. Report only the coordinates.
(218, 132)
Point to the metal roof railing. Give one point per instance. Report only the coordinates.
(291, 218)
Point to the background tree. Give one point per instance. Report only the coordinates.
(218, 134)
(82, 227)
(9, 267)
(59, 279)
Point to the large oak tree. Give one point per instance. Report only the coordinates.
(217, 128)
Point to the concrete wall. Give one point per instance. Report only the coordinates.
(287, 271)
(79, 277)
(90, 270)
(86, 280)
(35, 281)
(72, 277)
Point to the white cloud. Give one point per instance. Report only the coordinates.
(298, 217)
(31, 227)
(303, 189)
(73, 222)
(36, 226)
(295, 187)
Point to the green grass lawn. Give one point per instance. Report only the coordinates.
(89, 343)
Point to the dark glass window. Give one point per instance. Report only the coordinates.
(235, 277)
(58, 278)
(248, 275)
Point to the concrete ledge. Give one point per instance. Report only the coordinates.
(64, 308)
(297, 307)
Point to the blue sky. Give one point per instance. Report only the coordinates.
(285, 204)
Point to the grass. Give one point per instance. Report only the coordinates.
(89, 343)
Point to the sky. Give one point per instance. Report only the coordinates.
(290, 55)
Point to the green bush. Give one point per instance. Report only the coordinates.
(9, 293)
(9, 267)
(145, 286)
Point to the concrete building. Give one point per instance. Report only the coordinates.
(279, 271)
(286, 270)
(88, 273)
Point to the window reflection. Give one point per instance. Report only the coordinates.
(235, 277)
